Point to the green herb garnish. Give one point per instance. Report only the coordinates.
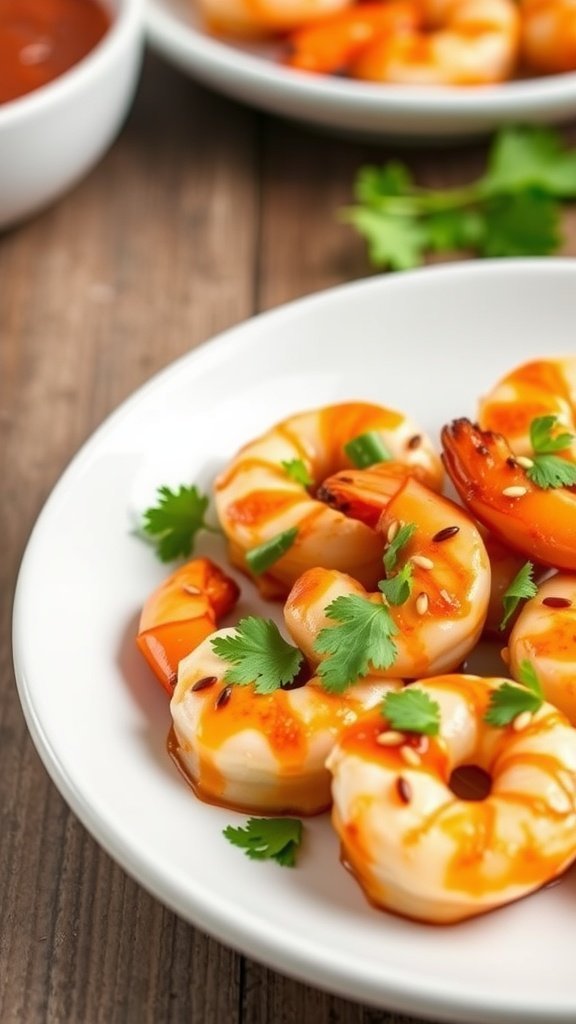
(268, 839)
(521, 588)
(297, 470)
(412, 710)
(258, 654)
(395, 546)
(367, 449)
(397, 589)
(174, 522)
(361, 638)
(511, 699)
(548, 470)
(262, 557)
(513, 209)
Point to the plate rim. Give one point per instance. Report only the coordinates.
(302, 963)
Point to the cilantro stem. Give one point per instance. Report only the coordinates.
(423, 201)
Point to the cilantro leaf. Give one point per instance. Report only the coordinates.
(395, 546)
(362, 638)
(297, 470)
(526, 224)
(455, 229)
(174, 522)
(259, 654)
(265, 555)
(268, 839)
(397, 589)
(367, 449)
(511, 699)
(530, 158)
(552, 471)
(521, 588)
(393, 241)
(542, 438)
(412, 710)
(373, 184)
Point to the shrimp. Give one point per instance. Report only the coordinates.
(260, 18)
(467, 42)
(540, 524)
(331, 45)
(420, 850)
(256, 498)
(548, 35)
(545, 635)
(443, 618)
(180, 613)
(539, 388)
(260, 752)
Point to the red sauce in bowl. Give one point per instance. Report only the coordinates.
(40, 39)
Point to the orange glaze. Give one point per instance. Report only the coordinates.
(360, 739)
(557, 642)
(255, 508)
(510, 420)
(41, 39)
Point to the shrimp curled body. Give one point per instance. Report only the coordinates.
(256, 498)
(443, 618)
(420, 850)
(545, 635)
(260, 752)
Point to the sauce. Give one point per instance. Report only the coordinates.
(41, 39)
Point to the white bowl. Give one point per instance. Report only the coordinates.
(254, 75)
(50, 137)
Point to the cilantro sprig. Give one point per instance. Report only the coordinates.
(397, 589)
(395, 546)
(521, 588)
(513, 209)
(258, 654)
(173, 523)
(276, 839)
(412, 710)
(511, 699)
(548, 469)
(362, 637)
(297, 470)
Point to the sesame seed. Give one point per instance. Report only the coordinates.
(514, 492)
(445, 596)
(524, 461)
(223, 697)
(557, 602)
(189, 589)
(404, 790)
(390, 738)
(422, 603)
(522, 721)
(392, 530)
(204, 683)
(422, 562)
(445, 534)
(415, 442)
(410, 756)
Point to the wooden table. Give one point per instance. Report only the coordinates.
(202, 213)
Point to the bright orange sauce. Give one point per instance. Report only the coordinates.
(258, 507)
(557, 642)
(41, 39)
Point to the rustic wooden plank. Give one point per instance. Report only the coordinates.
(152, 254)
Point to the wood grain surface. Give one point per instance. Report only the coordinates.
(202, 213)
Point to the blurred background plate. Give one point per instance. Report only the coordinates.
(252, 74)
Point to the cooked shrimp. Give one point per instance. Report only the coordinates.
(468, 42)
(443, 618)
(254, 18)
(540, 524)
(260, 752)
(256, 498)
(548, 35)
(545, 635)
(330, 45)
(538, 388)
(183, 610)
(420, 850)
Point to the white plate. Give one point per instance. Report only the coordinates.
(253, 74)
(428, 342)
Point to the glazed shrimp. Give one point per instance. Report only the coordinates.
(540, 524)
(180, 613)
(443, 618)
(417, 848)
(256, 498)
(468, 42)
(260, 752)
(548, 35)
(538, 388)
(258, 18)
(332, 44)
(545, 635)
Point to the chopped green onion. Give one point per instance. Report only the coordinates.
(261, 558)
(366, 449)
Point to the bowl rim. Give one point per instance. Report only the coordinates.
(208, 54)
(125, 24)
